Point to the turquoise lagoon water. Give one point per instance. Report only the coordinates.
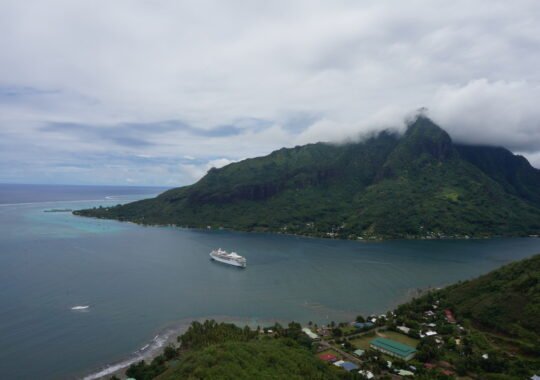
(140, 281)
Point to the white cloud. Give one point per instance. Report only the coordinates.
(345, 67)
(196, 171)
(492, 113)
(534, 159)
(219, 163)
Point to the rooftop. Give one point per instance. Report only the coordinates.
(362, 325)
(348, 366)
(367, 374)
(393, 346)
(328, 357)
(405, 329)
(310, 333)
(403, 372)
(450, 316)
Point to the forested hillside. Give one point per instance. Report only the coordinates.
(506, 300)
(420, 184)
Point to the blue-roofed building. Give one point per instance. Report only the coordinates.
(363, 325)
(348, 366)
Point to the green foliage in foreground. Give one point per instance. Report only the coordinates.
(212, 350)
(420, 184)
(200, 335)
(258, 359)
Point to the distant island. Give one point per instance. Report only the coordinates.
(416, 185)
(486, 328)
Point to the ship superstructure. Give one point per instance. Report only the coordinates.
(228, 258)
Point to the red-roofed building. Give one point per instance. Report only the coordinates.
(449, 316)
(447, 372)
(429, 365)
(328, 357)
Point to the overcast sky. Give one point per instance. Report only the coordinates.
(157, 92)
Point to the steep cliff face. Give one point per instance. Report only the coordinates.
(512, 172)
(420, 184)
(423, 144)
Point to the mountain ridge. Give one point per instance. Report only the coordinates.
(417, 185)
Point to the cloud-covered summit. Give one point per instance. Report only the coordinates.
(124, 91)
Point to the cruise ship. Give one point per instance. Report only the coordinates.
(228, 258)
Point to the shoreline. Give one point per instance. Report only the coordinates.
(168, 335)
(148, 352)
(372, 239)
(165, 336)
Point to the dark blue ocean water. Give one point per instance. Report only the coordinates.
(138, 281)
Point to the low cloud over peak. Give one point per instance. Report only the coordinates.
(137, 87)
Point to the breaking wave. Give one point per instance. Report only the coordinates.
(147, 351)
(167, 336)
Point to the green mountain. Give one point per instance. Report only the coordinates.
(419, 184)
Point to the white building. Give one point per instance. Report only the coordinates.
(310, 333)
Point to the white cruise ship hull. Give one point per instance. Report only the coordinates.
(229, 262)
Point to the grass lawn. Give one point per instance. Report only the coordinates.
(363, 341)
(348, 330)
(399, 338)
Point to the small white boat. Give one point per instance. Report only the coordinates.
(84, 307)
